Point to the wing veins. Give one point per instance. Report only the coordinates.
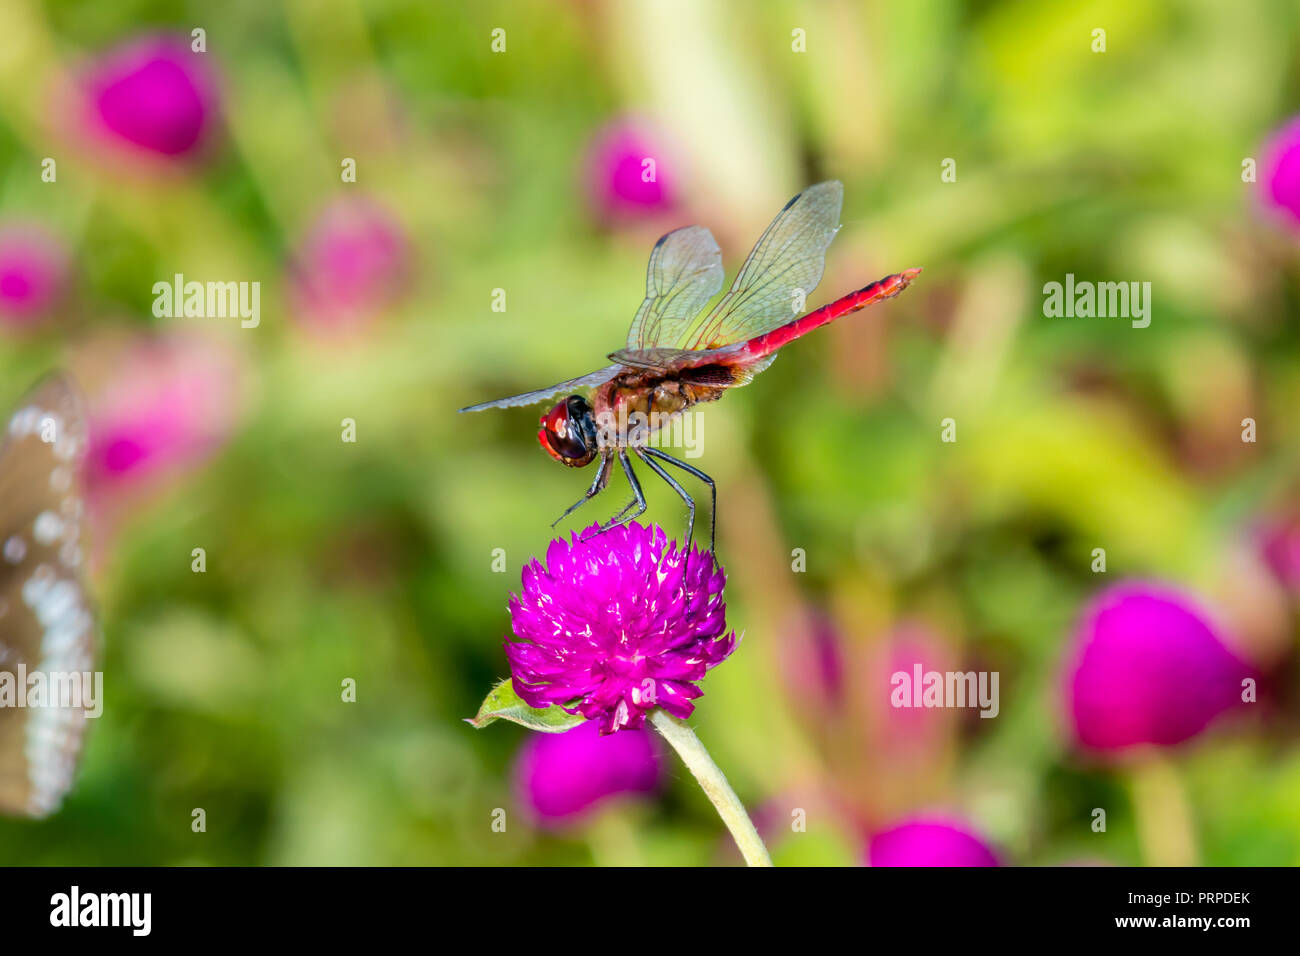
(790, 252)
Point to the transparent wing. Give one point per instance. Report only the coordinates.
(590, 380)
(722, 366)
(684, 273)
(670, 360)
(782, 270)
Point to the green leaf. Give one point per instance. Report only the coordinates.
(502, 703)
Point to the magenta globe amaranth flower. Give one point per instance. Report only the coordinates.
(929, 841)
(903, 730)
(560, 776)
(617, 627)
(1147, 667)
(353, 264)
(33, 275)
(1279, 173)
(154, 96)
(629, 171)
(617, 624)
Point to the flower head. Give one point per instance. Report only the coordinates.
(1147, 667)
(158, 407)
(33, 274)
(629, 172)
(353, 264)
(904, 734)
(1280, 171)
(561, 776)
(617, 624)
(929, 841)
(153, 96)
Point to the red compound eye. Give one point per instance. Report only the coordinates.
(544, 440)
(566, 431)
(560, 435)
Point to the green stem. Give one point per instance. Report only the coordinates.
(715, 786)
(1163, 814)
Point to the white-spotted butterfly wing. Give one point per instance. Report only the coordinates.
(47, 623)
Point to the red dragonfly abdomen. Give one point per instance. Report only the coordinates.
(885, 288)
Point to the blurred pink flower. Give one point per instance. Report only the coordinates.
(353, 264)
(929, 841)
(33, 274)
(152, 96)
(812, 662)
(1278, 539)
(165, 407)
(631, 172)
(811, 804)
(908, 734)
(1147, 667)
(1279, 173)
(561, 776)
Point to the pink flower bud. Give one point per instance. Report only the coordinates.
(631, 173)
(929, 841)
(560, 777)
(1147, 667)
(152, 96)
(33, 275)
(353, 264)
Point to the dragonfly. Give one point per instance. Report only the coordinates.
(678, 355)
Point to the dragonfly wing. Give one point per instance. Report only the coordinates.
(781, 272)
(703, 366)
(684, 273)
(590, 380)
(658, 359)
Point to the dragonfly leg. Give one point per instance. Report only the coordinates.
(612, 521)
(597, 486)
(623, 517)
(658, 469)
(713, 488)
(626, 508)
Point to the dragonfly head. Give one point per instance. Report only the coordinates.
(568, 432)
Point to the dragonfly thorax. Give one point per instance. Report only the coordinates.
(568, 432)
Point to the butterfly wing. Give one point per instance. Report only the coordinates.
(47, 624)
